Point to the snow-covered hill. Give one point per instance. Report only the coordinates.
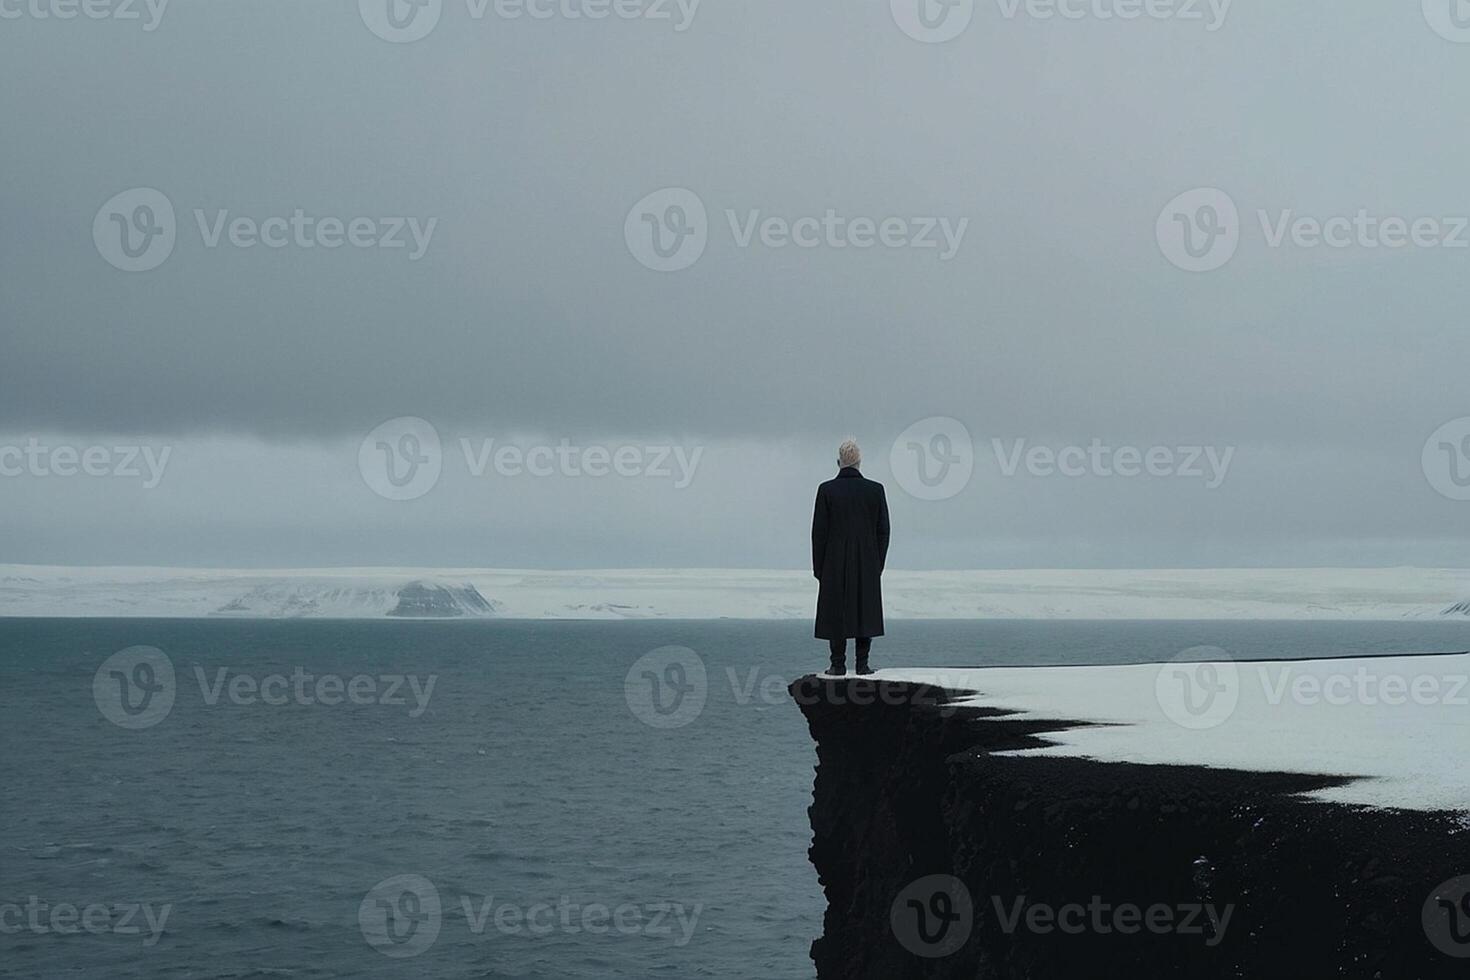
(286, 598)
(29, 591)
(367, 593)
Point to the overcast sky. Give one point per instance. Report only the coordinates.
(1042, 158)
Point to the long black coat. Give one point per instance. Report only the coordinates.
(849, 548)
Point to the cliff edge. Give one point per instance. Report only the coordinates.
(944, 853)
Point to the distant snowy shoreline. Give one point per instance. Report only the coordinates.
(407, 593)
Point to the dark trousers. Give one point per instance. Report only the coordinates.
(839, 652)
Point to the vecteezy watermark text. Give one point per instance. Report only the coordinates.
(934, 916)
(148, 12)
(137, 230)
(304, 230)
(1103, 918)
(1201, 230)
(934, 459)
(565, 459)
(402, 916)
(1201, 688)
(938, 21)
(136, 688)
(1097, 459)
(837, 231)
(668, 231)
(42, 918)
(305, 688)
(674, 920)
(1362, 686)
(405, 21)
(1210, 13)
(37, 459)
(403, 458)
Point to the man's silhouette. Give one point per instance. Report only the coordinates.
(849, 548)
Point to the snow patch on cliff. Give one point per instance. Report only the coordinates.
(1399, 725)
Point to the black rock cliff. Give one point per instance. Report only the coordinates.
(940, 858)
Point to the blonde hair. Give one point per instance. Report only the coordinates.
(848, 454)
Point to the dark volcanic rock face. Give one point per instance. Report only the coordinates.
(420, 599)
(1042, 868)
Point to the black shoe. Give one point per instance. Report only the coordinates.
(838, 668)
(863, 670)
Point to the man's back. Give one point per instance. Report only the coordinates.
(850, 533)
(856, 507)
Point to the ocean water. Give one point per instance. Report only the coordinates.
(530, 814)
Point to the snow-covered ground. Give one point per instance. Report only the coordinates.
(1400, 724)
(1316, 593)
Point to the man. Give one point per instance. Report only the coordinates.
(849, 548)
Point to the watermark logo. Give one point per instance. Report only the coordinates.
(1446, 459)
(401, 916)
(401, 459)
(1450, 19)
(1199, 231)
(135, 230)
(1447, 917)
(1199, 688)
(932, 21)
(667, 231)
(933, 916)
(135, 688)
(400, 21)
(667, 687)
(933, 459)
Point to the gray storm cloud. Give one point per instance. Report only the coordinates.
(505, 155)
